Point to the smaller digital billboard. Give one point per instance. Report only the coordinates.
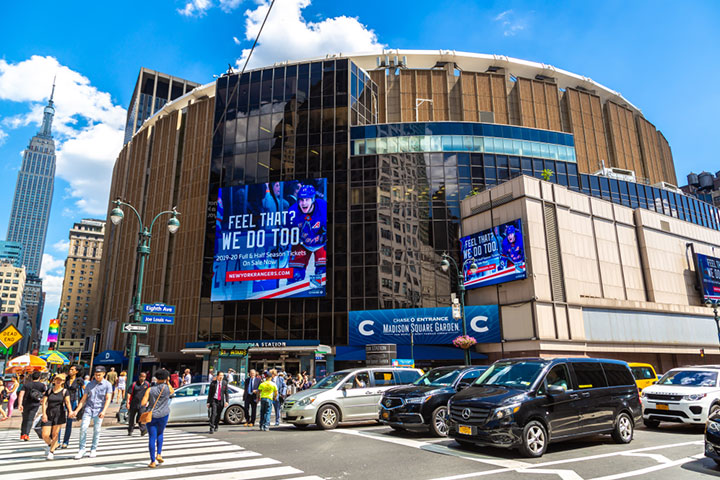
(498, 255)
(708, 270)
(53, 330)
(270, 241)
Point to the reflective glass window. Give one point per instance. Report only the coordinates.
(447, 143)
(478, 144)
(403, 144)
(370, 146)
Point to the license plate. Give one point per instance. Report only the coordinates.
(662, 406)
(465, 430)
(386, 415)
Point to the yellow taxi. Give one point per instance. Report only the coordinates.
(644, 374)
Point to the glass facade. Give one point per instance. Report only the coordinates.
(394, 191)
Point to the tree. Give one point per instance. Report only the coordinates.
(546, 174)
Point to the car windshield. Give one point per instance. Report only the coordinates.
(330, 381)
(520, 375)
(689, 378)
(438, 377)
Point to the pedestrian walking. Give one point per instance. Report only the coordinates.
(230, 376)
(29, 401)
(111, 377)
(187, 378)
(86, 379)
(134, 403)
(12, 389)
(121, 386)
(96, 399)
(75, 386)
(279, 382)
(268, 393)
(218, 398)
(250, 397)
(55, 406)
(175, 380)
(3, 396)
(159, 397)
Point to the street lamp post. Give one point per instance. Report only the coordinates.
(714, 304)
(445, 265)
(143, 250)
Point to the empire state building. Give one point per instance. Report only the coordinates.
(33, 194)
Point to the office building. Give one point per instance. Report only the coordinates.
(152, 91)
(77, 310)
(12, 285)
(392, 143)
(34, 304)
(33, 194)
(11, 251)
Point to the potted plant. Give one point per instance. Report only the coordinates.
(464, 342)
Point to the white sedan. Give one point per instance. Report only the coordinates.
(189, 404)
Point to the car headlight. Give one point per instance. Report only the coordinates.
(695, 397)
(418, 399)
(713, 427)
(305, 401)
(504, 412)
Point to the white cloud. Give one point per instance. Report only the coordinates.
(3, 135)
(50, 264)
(88, 126)
(236, 40)
(62, 246)
(287, 35)
(228, 6)
(510, 22)
(195, 8)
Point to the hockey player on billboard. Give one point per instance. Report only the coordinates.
(311, 218)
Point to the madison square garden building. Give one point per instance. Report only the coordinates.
(318, 198)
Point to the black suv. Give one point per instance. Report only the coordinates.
(530, 402)
(422, 405)
(712, 438)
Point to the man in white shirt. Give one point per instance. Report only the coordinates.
(187, 378)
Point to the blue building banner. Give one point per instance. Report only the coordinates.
(423, 326)
(498, 253)
(708, 269)
(270, 241)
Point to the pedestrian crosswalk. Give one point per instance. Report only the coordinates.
(119, 457)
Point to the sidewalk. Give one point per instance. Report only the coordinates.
(14, 422)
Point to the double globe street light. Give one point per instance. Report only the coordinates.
(143, 250)
(445, 266)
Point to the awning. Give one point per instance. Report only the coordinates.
(110, 357)
(421, 352)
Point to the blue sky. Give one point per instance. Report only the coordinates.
(662, 56)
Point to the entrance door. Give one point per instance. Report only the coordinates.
(292, 366)
(563, 411)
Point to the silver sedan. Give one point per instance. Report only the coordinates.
(189, 404)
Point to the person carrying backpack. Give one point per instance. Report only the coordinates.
(30, 397)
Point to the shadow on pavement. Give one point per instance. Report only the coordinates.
(705, 466)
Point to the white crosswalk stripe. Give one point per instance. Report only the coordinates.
(120, 457)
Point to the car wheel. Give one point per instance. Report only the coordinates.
(399, 429)
(651, 423)
(534, 440)
(713, 410)
(438, 422)
(328, 417)
(234, 415)
(301, 426)
(624, 429)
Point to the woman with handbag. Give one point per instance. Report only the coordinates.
(157, 417)
(55, 405)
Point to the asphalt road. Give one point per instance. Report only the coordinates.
(673, 452)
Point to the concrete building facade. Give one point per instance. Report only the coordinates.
(12, 287)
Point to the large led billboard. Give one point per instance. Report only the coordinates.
(708, 270)
(498, 255)
(270, 241)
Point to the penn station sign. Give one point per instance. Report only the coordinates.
(423, 326)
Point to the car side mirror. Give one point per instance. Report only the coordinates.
(462, 386)
(555, 390)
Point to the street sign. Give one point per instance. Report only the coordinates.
(456, 312)
(158, 319)
(134, 328)
(158, 308)
(143, 350)
(10, 336)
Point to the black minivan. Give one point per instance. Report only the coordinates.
(422, 405)
(527, 403)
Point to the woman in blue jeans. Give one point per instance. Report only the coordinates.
(157, 398)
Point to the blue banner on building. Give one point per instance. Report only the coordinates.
(423, 326)
(708, 269)
(270, 241)
(497, 253)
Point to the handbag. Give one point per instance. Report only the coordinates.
(146, 417)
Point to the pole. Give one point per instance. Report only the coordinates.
(461, 288)
(143, 251)
(92, 353)
(412, 347)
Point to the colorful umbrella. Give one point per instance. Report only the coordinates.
(30, 362)
(54, 357)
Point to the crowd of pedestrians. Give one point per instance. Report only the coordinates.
(49, 402)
